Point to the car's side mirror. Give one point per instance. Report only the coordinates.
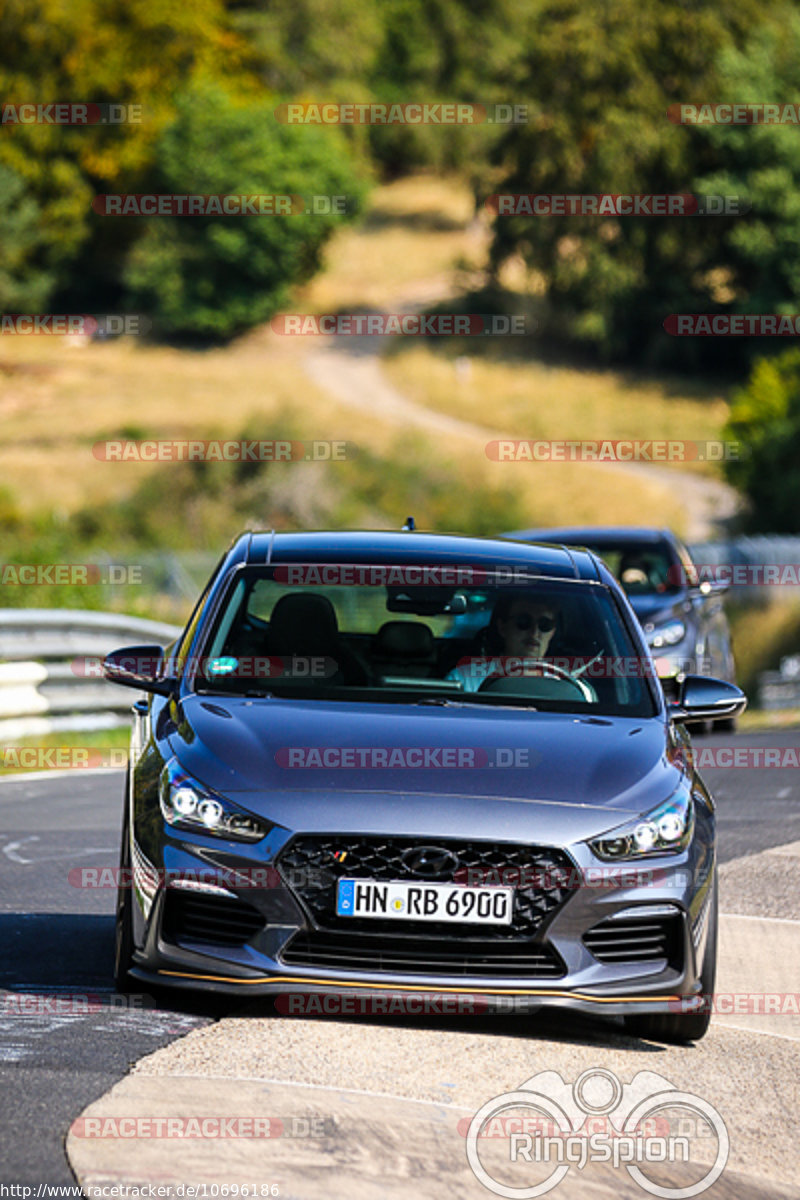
(142, 667)
(701, 698)
(711, 587)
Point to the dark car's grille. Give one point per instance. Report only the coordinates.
(422, 956)
(218, 920)
(543, 879)
(642, 939)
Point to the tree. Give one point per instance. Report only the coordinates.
(21, 286)
(602, 78)
(214, 276)
(765, 422)
(142, 53)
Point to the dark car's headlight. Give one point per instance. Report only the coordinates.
(668, 634)
(667, 829)
(187, 804)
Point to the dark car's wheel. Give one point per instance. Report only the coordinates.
(123, 943)
(684, 1027)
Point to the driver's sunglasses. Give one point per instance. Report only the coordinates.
(525, 621)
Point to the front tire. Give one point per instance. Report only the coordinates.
(679, 1028)
(123, 938)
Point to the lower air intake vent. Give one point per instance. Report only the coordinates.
(635, 939)
(217, 920)
(422, 956)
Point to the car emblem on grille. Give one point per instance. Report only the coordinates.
(432, 862)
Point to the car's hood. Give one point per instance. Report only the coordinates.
(576, 776)
(651, 606)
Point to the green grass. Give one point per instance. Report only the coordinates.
(762, 721)
(762, 636)
(66, 750)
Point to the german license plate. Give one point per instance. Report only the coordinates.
(424, 902)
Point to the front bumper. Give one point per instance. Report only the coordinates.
(676, 885)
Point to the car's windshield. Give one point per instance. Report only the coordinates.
(359, 631)
(641, 568)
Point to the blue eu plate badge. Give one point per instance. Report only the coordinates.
(344, 900)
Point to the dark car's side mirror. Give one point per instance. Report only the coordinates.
(710, 587)
(701, 698)
(142, 667)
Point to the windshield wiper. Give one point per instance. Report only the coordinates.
(444, 702)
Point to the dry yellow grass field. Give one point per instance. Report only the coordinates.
(535, 400)
(57, 398)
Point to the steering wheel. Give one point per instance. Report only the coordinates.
(554, 671)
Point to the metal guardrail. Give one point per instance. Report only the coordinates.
(41, 690)
(50, 677)
(776, 691)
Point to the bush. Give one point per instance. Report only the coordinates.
(215, 276)
(765, 420)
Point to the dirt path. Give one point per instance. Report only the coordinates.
(353, 373)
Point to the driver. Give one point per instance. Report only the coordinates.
(522, 627)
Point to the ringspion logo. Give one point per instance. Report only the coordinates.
(549, 1125)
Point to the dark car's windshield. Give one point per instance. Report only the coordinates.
(642, 568)
(417, 634)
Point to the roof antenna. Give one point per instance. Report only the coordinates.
(410, 525)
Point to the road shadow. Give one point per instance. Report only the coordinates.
(547, 1025)
(72, 954)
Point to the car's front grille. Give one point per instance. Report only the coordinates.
(542, 878)
(422, 956)
(642, 939)
(217, 920)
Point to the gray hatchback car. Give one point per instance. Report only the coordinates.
(410, 765)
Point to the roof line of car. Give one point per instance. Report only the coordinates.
(247, 548)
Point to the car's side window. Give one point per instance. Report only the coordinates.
(184, 645)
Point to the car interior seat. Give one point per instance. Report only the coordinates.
(303, 624)
(404, 648)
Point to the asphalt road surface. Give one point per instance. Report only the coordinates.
(58, 1051)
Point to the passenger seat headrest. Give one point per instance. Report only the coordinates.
(404, 639)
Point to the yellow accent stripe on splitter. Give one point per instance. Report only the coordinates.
(416, 987)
